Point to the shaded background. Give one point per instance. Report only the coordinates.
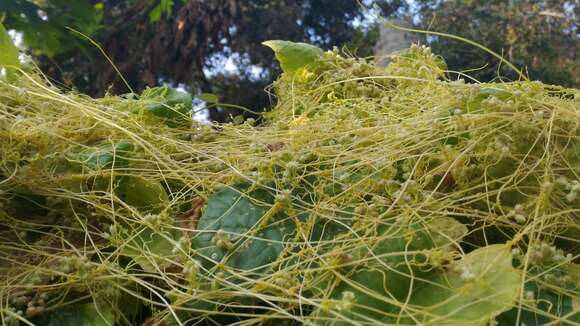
(214, 46)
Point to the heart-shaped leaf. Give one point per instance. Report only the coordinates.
(231, 217)
(294, 56)
(482, 284)
(8, 51)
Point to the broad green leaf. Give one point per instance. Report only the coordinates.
(168, 103)
(78, 314)
(8, 51)
(207, 98)
(231, 215)
(550, 307)
(547, 301)
(497, 91)
(294, 56)
(152, 250)
(167, 6)
(175, 97)
(383, 280)
(102, 157)
(147, 196)
(444, 232)
(155, 14)
(482, 284)
(149, 247)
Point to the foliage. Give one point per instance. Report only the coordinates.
(482, 283)
(8, 52)
(79, 314)
(369, 195)
(186, 41)
(227, 226)
(294, 56)
(44, 24)
(541, 36)
(169, 41)
(148, 40)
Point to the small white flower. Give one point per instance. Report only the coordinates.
(466, 274)
(529, 295)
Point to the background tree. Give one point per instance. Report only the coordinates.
(540, 35)
(215, 45)
(178, 41)
(148, 40)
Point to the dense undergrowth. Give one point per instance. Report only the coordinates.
(368, 195)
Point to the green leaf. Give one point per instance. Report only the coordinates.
(167, 6)
(175, 97)
(208, 98)
(151, 248)
(482, 284)
(102, 157)
(155, 14)
(551, 307)
(231, 215)
(294, 56)
(147, 196)
(375, 286)
(497, 91)
(78, 314)
(168, 103)
(552, 301)
(8, 51)
(443, 232)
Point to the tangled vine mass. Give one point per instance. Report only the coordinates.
(369, 195)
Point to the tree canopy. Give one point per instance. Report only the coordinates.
(215, 46)
(541, 36)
